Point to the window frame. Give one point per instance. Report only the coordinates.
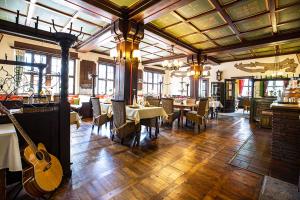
(200, 89)
(248, 87)
(152, 83)
(105, 79)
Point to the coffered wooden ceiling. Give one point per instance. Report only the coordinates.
(225, 30)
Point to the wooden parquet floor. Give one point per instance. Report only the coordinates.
(177, 165)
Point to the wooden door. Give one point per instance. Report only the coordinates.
(229, 95)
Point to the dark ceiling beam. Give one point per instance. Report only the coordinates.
(256, 57)
(100, 37)
(272, 8)
(157, 60)
(269, 41)
(167, 38)
(25, 31)
(147, 11)
(226, 18)
(108, 11)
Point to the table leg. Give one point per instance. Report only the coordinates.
(181, 118)
(2, 184)
(156, 127)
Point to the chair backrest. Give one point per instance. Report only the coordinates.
(203, 107)
(154, 102)
(119, 110)
(96, 106)
(190, 101)
(168, 105)
(56, 98)
(246, 102)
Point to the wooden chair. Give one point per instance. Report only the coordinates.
(123, 128)
(246, 105)
(98, 118)
(168, 106)
(153, 122)
(200, 116)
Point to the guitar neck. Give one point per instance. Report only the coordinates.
(22, 132)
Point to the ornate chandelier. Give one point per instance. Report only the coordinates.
(172, 64)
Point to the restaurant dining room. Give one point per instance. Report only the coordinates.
(150, 99)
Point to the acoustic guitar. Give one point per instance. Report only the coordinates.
(45, 172)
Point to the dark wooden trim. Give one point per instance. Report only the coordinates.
(95, 40)
(272, 7)
(154, 70)
(147, 11)
(164, 58)
(170, 39)
(41, 49)
(255, 57)
(269, 41)
(11, 62)
(105, 60)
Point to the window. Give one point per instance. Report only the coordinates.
(151, 83)
(56, 72)
(246, 91)
(51, 75)
(106, 79)
(179, 87)
(274, 88)
(203, 88)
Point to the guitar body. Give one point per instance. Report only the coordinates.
(45, 173)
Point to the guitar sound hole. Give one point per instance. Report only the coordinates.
(39, 155)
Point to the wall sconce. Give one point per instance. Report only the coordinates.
(136, 54)
(219, 75)
(113, 53)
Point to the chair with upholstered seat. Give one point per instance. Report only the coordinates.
(246, 105)
(200, 116)
(153, 122)
(98, 118)
(168, 106)
(123, 128)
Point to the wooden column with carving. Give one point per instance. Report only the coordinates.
(194, 87)
(65, 41)
(128, 35)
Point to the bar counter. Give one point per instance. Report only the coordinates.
(286, 133)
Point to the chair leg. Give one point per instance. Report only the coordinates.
(112, 137)
(122, 141)
(98, 128)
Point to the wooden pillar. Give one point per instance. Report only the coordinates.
(65, 41)
(128, 35)
(194, 89)
(40, 83)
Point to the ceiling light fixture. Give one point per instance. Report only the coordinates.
(172, 64)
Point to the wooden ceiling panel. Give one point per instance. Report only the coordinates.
(287, 27)
(56, 6)
(165, 20)
(194, 38)
(208, 21)
(195, 8)
(265, 53)
(220, 32)
(224, 2)
(124, 3)
(152, 49)
(291, 50)
(262, 49)
(291, 44)
(254, 23)
(242, 52)
(48, 16)
(109, 45)
(205, 45)
(163, 53)
(151, 56)
(262, 33)
(15, 5)
(283, 3)
(180, 30)
(289, 14)
(90, 18)
(228, 41)
(246, 8)
(77, 24)
(143, 45)
(226, 58)
(243, 56)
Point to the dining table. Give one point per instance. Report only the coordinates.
(182, 107)
(10, 157)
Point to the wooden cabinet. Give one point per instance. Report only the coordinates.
(217, 91)
(86, 68)
(229, 104)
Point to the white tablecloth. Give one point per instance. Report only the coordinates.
(75, 119)
(9, 148)
(137, 114)
(107, 109)
(215, 104)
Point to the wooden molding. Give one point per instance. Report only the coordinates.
(41, 49)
